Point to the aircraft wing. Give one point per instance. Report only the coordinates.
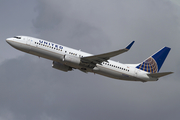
(104, 57)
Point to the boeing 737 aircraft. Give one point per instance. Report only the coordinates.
(66, 59)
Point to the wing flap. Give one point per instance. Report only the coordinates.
(158, 75)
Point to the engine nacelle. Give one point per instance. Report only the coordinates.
(60, 66)
(71, 60)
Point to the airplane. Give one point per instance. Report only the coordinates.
(66, 59)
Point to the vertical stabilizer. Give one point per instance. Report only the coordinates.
(153, 63)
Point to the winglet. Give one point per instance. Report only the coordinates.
(130, 45)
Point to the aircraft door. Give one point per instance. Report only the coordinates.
(28, 42)
(136, 71)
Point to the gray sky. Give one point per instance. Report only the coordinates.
(31, 90)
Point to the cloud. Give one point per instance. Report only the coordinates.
(16, 19)
(110, 25)
(31, 89)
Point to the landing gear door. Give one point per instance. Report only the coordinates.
(28, 42)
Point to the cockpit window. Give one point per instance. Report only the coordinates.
(17, 37)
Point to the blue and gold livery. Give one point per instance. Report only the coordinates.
(153, 64)
(149, 65)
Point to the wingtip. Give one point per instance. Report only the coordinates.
(130, 45)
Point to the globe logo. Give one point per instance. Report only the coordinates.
(149, 65)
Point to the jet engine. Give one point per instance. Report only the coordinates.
(72, 61)
(60, 66)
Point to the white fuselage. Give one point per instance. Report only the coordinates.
(56, 52)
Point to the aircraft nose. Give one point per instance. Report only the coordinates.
(9, 40)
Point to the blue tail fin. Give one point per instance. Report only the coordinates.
(153, 63)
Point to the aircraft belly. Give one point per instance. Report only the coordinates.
(110, 73)
(46, 54)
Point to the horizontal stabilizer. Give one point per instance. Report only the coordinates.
(158, 75)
